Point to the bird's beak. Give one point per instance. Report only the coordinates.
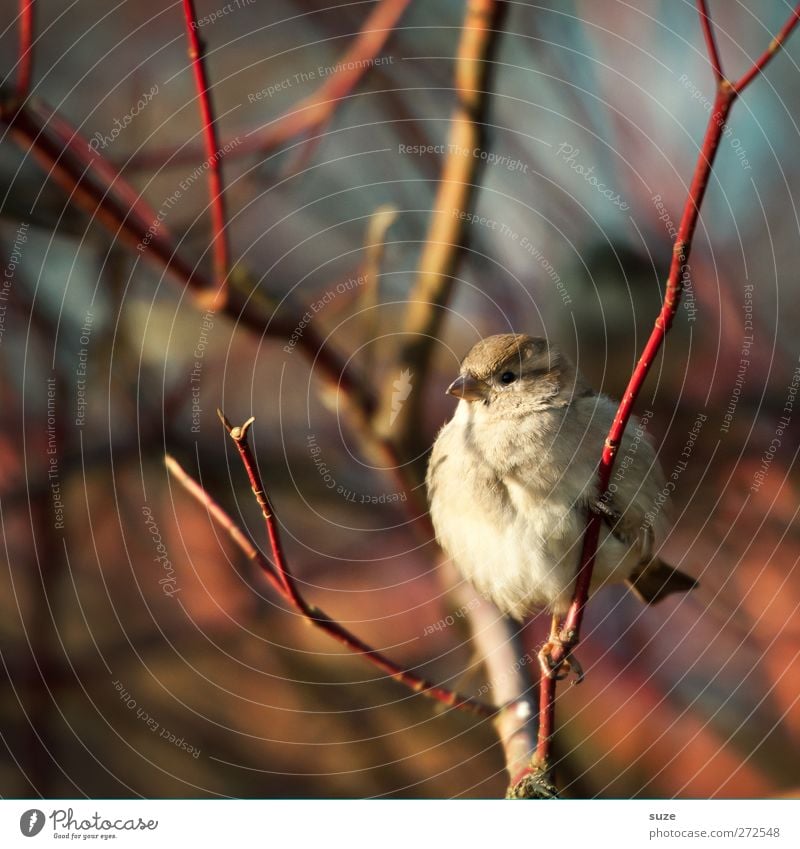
(468, 388)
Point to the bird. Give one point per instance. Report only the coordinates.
(512, 478)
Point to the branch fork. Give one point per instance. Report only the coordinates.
(279, 575)
(94, 185)
(569, 631)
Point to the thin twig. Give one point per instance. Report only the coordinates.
(218, 217)
(774, 46)
(707, 25)
(281, 579)
(239, 436)
(374, 245)
(313, 112)
(222, 519)
(25, 64)
(679, 270)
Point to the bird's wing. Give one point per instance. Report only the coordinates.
(633, 508)
(625, 527)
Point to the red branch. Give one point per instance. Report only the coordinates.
(94, 185)
(774, 46)
(211, 142)
(25, 72)
(727, 92)
(280, 577)
(707, 25)
(314, 111)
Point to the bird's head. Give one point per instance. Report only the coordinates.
(512, 370)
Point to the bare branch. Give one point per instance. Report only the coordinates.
(570, 629)
(281, 579)
(96, 187)
(707, 25)
(774, 46)
(374, 244)
(218, 217)
(313, 112)
(455, 194)
(25, 63)
(497, 643)
(222, 519)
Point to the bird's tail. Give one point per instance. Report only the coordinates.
(651, 582)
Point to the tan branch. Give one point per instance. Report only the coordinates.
(444, 239)
(497, 642)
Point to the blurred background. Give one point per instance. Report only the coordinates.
(128, 675)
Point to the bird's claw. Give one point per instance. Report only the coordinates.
(559, 670)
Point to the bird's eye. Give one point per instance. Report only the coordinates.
(507, 377)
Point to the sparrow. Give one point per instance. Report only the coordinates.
(512, 478)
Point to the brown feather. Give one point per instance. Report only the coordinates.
(655, 581)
